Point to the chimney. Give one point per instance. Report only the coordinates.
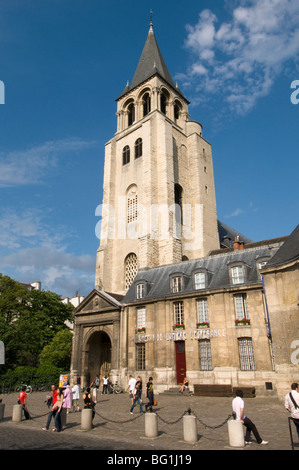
(238, 245)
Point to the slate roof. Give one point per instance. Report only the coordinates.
(228, 234)
(151, 63)
(217, 269)
(288, 252)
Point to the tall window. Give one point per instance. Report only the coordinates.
(163, 103)
(131, 114)
(138, 148)
(246, 354)
(202, 311)
(130, 269)
(200, 280)
(140, 290)
(140, 318)
(126, 155)
(205, 356)
(140, 356)
(132, 204)
(237, 275)
(241, 305)
(146, 101)
(176, 284)
(178, 313)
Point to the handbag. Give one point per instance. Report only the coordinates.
(155, 403)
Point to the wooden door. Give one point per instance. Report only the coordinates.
(180, 361)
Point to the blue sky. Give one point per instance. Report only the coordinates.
(64, 62)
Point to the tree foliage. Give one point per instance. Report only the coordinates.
(59, 351)
(29, 320)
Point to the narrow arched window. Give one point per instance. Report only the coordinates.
(131, 114)
(126, 155)
(146, 100)
(163, 103)
(178, 200)
(138, 148)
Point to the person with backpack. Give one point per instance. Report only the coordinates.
(88, 402)
(292, 404)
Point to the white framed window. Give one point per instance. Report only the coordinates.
(202, 311)
(205, 355)
(140, 318)
(178, 308)
(237, 275)
(140, 290)
(200, 280)
(176, 284)
(241, 307)
(246, 354)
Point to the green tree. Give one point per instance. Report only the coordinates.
(58, 352)
(29, 320)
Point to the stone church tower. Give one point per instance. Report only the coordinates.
(159, 202)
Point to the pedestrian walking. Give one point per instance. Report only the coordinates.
(131, 387)
(67, 403)
(149, 393)
(238, 408)
(95, 387)
(76, 397)
(53, 407)
(137, 398)
(59, 403)
(22, 400)
(292, 404)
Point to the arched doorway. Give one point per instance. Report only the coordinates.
(99, 355)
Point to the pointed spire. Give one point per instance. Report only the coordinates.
(151, 63)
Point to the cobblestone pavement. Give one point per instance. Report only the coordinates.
(115, 429)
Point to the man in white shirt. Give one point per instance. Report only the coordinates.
(292, 404)
(131, 387)
(238, 408)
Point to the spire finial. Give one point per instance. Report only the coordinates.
(151, 20)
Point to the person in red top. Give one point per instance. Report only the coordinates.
(53, 408)
(22, 398)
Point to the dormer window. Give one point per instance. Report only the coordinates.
(140, 290)
(200, 280)
(176, 284)
(237, 275)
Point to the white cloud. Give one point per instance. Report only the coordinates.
(29, 166)
(237, 61)
(31, 249)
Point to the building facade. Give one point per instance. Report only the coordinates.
(177, 293)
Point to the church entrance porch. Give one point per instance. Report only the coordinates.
(98, 360)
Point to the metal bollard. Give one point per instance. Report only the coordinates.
(2, 407)
(151, 425)
(190, 431)
(86, 419)
(17, 413)
(235, 433)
